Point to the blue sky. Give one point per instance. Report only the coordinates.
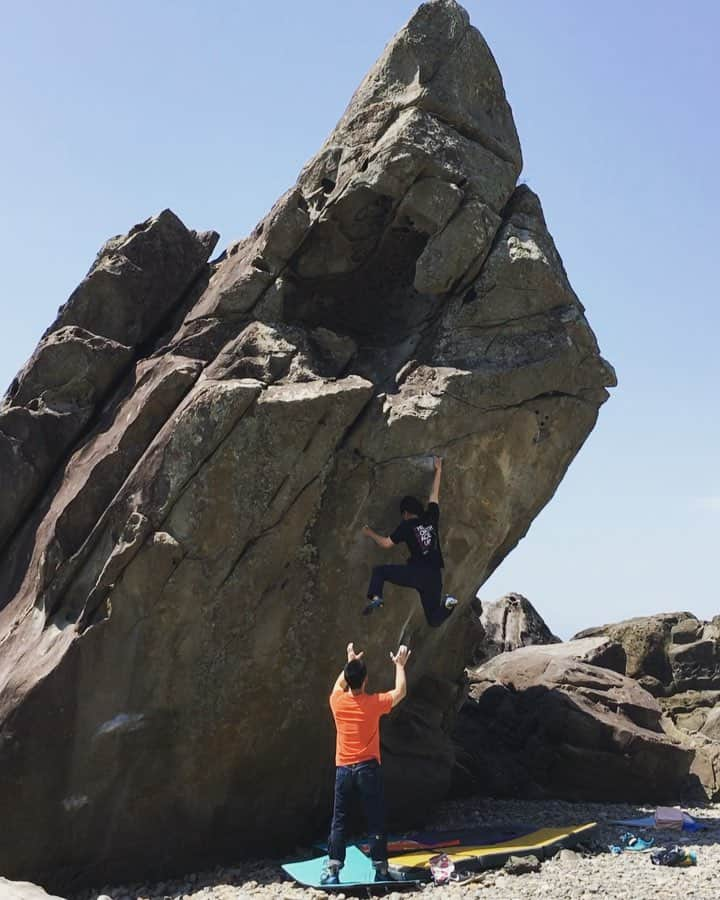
(112, 112)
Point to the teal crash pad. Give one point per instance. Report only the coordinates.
(357, 872)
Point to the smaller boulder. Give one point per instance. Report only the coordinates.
(512, 622)
(685, 632)
(646, 640)
(711, 728)
(696, 665)
(24, 890)
(509, 623)
(522, 865)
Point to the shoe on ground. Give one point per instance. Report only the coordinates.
(451, 602)
(630, 842)
(377, 603)
(388, 873)
(330, 874)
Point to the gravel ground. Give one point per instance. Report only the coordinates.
(589, 871)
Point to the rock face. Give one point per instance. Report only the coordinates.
(191, 452)
(676, 657)
(541, 721)
(135, 282)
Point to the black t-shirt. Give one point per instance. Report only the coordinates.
(422, 537)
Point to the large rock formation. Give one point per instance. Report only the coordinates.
(676, 657)
(552, 721)
(623, 711)
(190, 453)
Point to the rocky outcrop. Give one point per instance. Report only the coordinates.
(509, 623)
(548, 721)
(668, 653)
(676, 657)
(182, 566)
(541, 721)
(135, 282)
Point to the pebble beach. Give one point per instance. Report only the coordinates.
(587, 871)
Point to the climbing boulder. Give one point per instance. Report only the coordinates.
(181, 576)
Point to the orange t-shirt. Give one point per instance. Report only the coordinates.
(357, 720)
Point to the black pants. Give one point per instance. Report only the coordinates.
(426, 580)
(366, 779)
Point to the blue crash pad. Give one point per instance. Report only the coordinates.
(357, 872)
(689, 824)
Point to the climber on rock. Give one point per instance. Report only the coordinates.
(357, 759)
(423, 570)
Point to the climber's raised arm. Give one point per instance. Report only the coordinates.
(435, 492)
(399, 659)
(341, 681)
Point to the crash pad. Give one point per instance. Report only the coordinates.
(495, 853)
(689, 824)
(437, 840)
(357, 872)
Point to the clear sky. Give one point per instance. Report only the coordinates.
(112, 112)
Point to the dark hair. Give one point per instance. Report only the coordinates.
(411, 505)
(355, 673)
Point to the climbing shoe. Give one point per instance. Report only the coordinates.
(330, 873)
(630, 842)
(377, 603)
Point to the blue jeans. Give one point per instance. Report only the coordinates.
(365, 778)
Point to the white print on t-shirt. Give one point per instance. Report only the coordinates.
(424, 535)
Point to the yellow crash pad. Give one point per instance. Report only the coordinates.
(527, 843)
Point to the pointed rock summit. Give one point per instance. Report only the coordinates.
(187, 458)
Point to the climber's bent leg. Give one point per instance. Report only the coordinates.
(431, 596)
(402, 576)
